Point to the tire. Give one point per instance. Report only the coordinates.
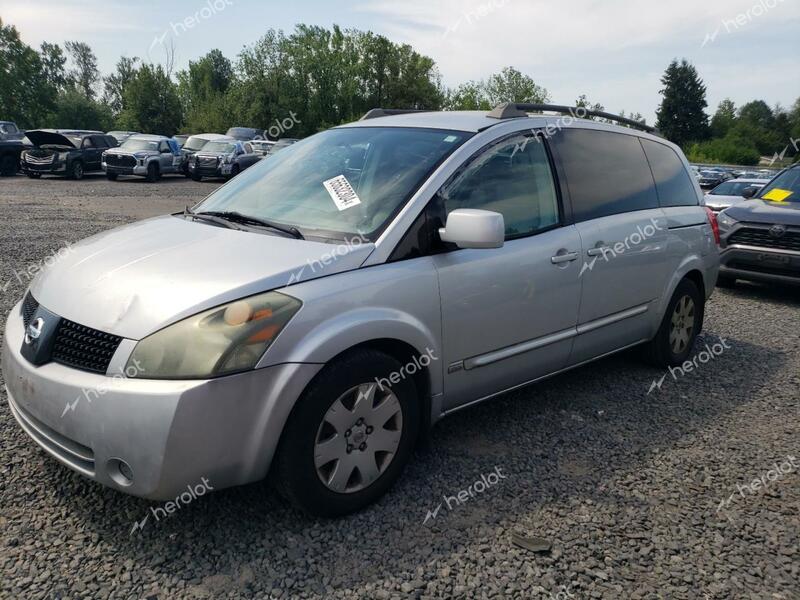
(112, 176)
(76, 170)
(8, 166)
(368, 473)
(34, 175)
(673, 342)
(724, 281)
(234, 172)
(197, 177)
(152, 172)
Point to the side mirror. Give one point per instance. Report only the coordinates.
(750, 192)
(473, 228)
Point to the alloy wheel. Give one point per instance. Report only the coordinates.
(682, 324)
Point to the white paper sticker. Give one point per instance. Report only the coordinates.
(341, 192)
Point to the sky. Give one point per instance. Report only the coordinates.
(613, 51)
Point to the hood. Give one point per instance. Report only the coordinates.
(123, 151)
(720, 200)
(201, 154)
(136, 279)
(764, 211)
(41, 137)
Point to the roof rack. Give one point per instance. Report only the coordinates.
(388, 112)
(511, 110)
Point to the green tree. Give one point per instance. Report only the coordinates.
(114, 85)
(509, 85)
(25, 96)
(681, 116)
(724, 118)
(151, 102)
(74, 110)
(84, 73)
(53, 66)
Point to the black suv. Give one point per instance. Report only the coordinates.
(65, 152)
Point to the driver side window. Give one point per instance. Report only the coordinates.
(512, 178)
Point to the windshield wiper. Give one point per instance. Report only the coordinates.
(187, 212)
(238, 217)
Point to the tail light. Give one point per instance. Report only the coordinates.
(712, 220)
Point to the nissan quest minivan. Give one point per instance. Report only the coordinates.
(315, 316)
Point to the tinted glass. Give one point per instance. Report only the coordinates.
(340, 182)
(87, 143)
(134, 144)
(222, 147)
(732, 188)
(784, 188)
(607, 173)
(512, 178)
(673, 184)
(195, 143)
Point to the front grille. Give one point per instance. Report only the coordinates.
(762, 268)
(120, 160)
(39, 160)
(751, 236)
(83, 348)
(207, 161)
(29, 306)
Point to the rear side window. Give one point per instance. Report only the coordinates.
(673, 184)
(607, 173)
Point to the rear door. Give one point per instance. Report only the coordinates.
(93, 146)
(508, 314)
(623, 232)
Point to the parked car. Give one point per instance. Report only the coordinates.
(262, 147)
(712, 178)
(66, 152)
(730, 192)
(761, 237)
(10, 132)
(195, 143)
(121, 136)
(222, 158)
(317, 315)
(245, 134)
(283, 143)
(149, 156)
(181, 138)
(10, 152)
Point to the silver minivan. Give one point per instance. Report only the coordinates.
(316, 315)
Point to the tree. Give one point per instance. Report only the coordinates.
(724, 118)
(681, 116)
(151, 102)
(114, 85)
(84, 73)
(53, 61)
(25, 96)
(73, 110)
(509, 85)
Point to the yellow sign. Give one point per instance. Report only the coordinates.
(777, 195)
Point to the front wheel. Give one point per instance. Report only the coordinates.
(679, 328)
(349, 436)
(111, 176)
(34, 175)
(152, 172)
(76, 172)
(197, 177)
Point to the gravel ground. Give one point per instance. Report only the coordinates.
(641, 494)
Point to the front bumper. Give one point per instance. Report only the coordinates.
(171, 433)
(55, 167)
(760, 264)
(221, 170)
(122, 170)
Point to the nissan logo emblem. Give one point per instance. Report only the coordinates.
(34, 330)
(777, 231)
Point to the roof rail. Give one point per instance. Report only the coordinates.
(388, 112)
(511, 110)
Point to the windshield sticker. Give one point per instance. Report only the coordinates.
(777, 195)
(341, 192)
(450, 139)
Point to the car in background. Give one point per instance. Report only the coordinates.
(245, 134)
(149, 156)
(263, 147)
(222, 158)
(730, 192)
(121, 136)
(711, 178)
(10, 152)
(10, 132)
(283, 143)
(196, 143)
(181, 138)
(760, 239)
(67, 152)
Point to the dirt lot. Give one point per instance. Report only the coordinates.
(644, 492)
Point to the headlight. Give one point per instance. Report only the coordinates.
(227, 158)
(63, 155)
(724, 221)
(223, 340)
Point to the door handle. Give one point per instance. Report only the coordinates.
(598, 251)
(563, 257)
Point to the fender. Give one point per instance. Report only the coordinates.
(691, 262)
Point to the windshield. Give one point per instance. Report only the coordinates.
(339, 182)
(133, 145)
(785, 187)
(219, 147)
(9, 128)
(195, 143)
(732, 188)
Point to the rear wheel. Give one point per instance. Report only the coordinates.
(349, 436)
(152, 172)
(679, 328)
